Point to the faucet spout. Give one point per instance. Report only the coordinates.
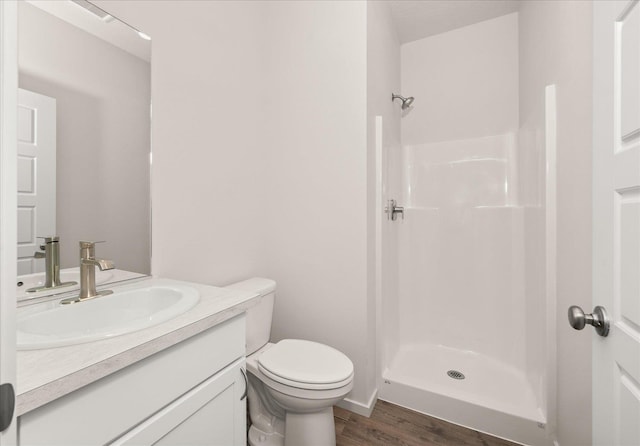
(103, 264)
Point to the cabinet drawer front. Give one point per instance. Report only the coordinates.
(211, 414)
(104, 410)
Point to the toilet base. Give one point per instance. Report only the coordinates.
(315, 429)
(310, 429)
(257, 437)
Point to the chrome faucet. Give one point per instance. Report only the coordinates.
(51, 256)
(88, 263)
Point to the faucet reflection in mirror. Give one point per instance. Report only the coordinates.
(51, 255)
(88, 263)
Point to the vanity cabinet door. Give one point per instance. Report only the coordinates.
(213, 414)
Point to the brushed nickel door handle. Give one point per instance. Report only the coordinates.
(246, 384)
(7, 405)
(598, 319)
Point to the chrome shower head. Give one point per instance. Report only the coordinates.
(406, 102)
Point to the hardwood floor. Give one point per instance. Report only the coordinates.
(391, 425)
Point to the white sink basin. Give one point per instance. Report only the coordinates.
(53, 325)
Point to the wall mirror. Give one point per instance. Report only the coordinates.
(83, 139)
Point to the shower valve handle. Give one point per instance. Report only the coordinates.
(578, 319)
(392, 210)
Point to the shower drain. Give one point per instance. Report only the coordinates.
(455, 374)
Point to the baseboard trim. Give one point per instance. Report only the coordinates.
(363, 409)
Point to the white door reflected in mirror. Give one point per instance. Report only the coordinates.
(36, 176)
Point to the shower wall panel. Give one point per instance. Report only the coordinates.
(461, 249)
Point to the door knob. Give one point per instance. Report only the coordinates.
(7, 405)
(599, 319)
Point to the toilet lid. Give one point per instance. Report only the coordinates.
(305, 362)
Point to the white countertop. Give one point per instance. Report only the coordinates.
(48, 374)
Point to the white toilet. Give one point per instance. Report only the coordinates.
(293, 384)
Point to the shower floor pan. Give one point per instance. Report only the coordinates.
(492, 397)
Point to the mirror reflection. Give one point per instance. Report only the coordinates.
(83, 140)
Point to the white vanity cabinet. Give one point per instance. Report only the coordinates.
(193, 393)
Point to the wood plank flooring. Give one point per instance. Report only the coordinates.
(392, 425)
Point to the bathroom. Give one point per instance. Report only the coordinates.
(264, 164)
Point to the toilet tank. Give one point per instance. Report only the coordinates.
(258, 317)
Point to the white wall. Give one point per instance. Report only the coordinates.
(383, 79)
(465, 82)
(315, 226)
(260, 157)
(102, 96)
(555, 48)
(207, 131)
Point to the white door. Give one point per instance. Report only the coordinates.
(36, 176)
(8, 124)
(616, 221)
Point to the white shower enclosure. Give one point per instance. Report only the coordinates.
(466, 311)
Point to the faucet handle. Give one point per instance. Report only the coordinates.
(50, 239)
(86, 244)
(40, 254)
(88, 249)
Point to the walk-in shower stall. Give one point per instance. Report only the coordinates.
(466, 300)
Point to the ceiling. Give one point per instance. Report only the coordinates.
(115, 32)
(417, 19)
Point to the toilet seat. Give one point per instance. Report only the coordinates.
(306, 365)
